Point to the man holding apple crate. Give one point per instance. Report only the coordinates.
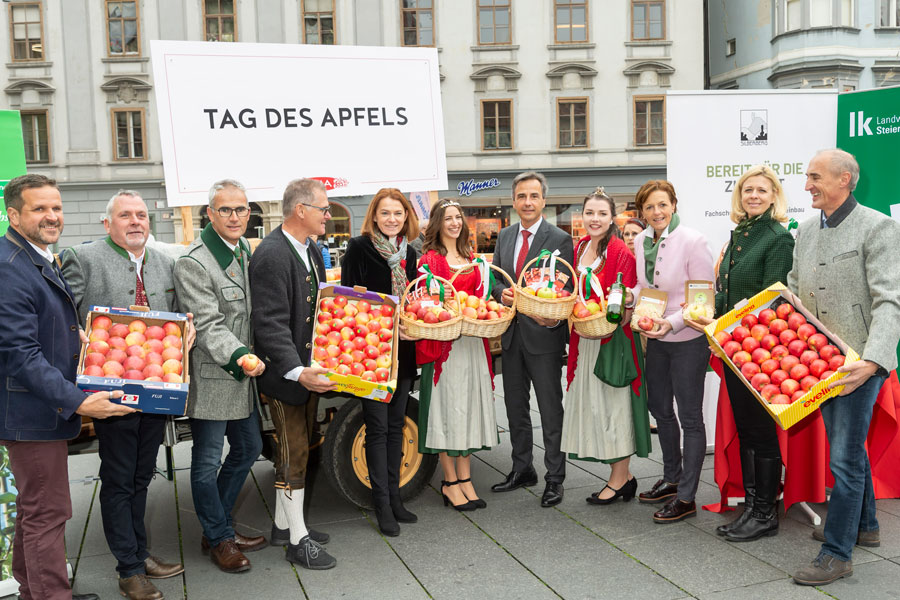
(121, 270)
(211, 281)
(845, 272)
(284, 277)
(532, 347)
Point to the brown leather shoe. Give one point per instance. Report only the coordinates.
(675, 511)
(229, 558)
(243, 543)
(138, 587)
(157, 569)
(660, 492)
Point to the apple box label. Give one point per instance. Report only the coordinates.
(380, 394)
(130, 399)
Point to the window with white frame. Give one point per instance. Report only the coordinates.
(889, 11)
(128, 134)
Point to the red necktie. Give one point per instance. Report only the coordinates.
(140, 295)
(523, 252)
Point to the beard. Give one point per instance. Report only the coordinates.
(41, 234)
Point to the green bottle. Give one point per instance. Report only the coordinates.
(615, 304)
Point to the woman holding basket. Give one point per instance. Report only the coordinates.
(456, 398)
(759, 253)
(605, 415)
(382, 260)
(668, 254)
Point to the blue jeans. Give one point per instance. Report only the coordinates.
(851, 508)
(215, 490)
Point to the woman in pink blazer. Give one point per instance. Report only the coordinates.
(668, 254)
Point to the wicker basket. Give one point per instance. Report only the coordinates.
(443, 331)
(480, 327)
(548, 308)
(595, 325)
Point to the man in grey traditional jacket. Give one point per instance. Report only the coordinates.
(211, 281)
(845, 273)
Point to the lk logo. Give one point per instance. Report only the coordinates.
(859, 125)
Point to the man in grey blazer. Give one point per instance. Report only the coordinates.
(532, 347)
(120, 270)
(211, 280)
(845, 272)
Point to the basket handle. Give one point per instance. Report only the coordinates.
(493, 280)
(555, 259)
(428, 276)
(587, 283)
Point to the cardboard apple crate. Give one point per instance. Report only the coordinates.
(786, 415)
(156, 397)
(381, 391)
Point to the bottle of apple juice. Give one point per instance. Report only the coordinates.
(615, 305)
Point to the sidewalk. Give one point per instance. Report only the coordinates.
(512, 549)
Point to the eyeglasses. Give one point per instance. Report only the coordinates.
(226, 211)
(326, 210)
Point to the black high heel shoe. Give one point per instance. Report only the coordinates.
(460, 507)
(478, 502)
(626, 492)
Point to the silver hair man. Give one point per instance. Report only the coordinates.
(299, 191)
(530, 175)
(112, 201)
(842, 161)
(221, 185)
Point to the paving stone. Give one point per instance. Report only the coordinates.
(872, 581)
(783, 589)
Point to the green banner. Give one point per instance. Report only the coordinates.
(868, 127)
(12, 155)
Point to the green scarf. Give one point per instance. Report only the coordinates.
(651, 247)
(746, 223)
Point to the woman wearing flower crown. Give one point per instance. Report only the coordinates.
(605, 415)
(456, 399)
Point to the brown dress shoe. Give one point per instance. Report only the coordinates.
(138, 587)
(243, 543)
(660, 492)
(674, 511)
(229, 558)
(157, 569)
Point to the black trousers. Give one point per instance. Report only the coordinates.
(128, 449)
(756, 429)
(521, 370)
(384, 442)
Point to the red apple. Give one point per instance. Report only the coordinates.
(319, 353)
(769, 366)
(826, 375)
(382, 374)
(384, 348)
(387, 310)
(722, 337)
(368, 375)
(766, 316)
(363, 306)
(789, 362)
(370, 364)
(334, 338)
(805, 331)
(798, 372)
(797, 395)
(357, 369)
(101, 322)
(170, 328)
(780, 399)
(347, 346)
(133, 374)
(94, 371)
(320, 340)
(783, 310)
(740, 333)
(116, 354)
(119, 330)
(789, 386)
(136, 351)
(347, 333)
(758, 381)
(135, 338)
(374, 326)
(98, 347)
(808, 356)
(778, 376)
(372, 351)
(358, 356)
(153, 345)
(749, 369)
(730, 348)
(134, 363)
(787, 336)
(337, 324)
(359, 342)
(834, 363)
(749, 344)
(817, 367)
(795, 320)
(154, 358)
(171, 354)
(324, 316)
(326, 304)
(345, 359)
(383, 361)
(779, 352)
(768, 341)
(137, 325)
(828, 351)
(323, 328)
(385, 335)
(95, 359)
(760, 355)
(172, 366)
(776, 326)
(372, 339)
(769, 391)
(340, 301)
(797, 347)
(386, 322)
(98, 335)
(758, 331)
(351, 310)
(363, 318)
(645, 323)
(817, 341)
(112, 368)
(330, 363)
(807, 382)
(332, 351)
(155, 332)
(749, 321)
(741, 358)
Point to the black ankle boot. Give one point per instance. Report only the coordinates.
(386, 521)
(763, 519)
(748, 472)
(400, 512)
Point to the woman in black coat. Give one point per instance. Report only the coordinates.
(382, 260)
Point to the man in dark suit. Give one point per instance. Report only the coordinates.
(122, 270)
(40, 404)
(285, 272)
(532, 347)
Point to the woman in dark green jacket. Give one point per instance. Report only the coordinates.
(759, 254)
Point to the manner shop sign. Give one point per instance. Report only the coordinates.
(356, 118)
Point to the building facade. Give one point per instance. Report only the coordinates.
(843, 44)
(572, 88)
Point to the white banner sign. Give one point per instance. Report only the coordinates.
(357, 118)
(714, 136)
